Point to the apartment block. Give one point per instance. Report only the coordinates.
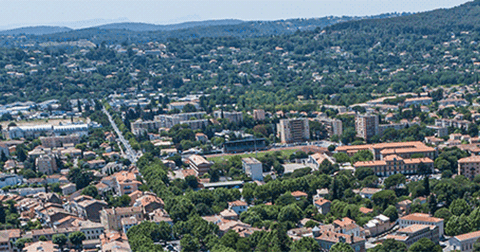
(111, 217)
(417, 101)
(59, 141)
(253, 168)
(168, 121)
(46, 164)
(199, 164)
(401, 149)
(469, 166)
(234, 116)
(293, 130)
(394, 164)
(258, 114)
(366, 126)
(411, 234)
(333, 126)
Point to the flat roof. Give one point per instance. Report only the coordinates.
(226, 183)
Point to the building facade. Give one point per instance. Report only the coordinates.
(253, 168)
(293, 130)
(366, 126)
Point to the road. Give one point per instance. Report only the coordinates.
(129, 153)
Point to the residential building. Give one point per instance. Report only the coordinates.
(111, 217)
(293, 130)
(59, 141)
(333, 126)
(68, 189)
(455, 102)
(445, 123)
(410, 234)
(253, 168)
(114, 241)
(10, 179)
(149, 203)
(464, 242)
(379, 224)
(298, 195)
(201, 137)
(394, 164)
(469, 166)
(234, 117)
(349, 227)
(46, 164)
(45, 129)
(326, 238)
(168, 121)
(180, 105)
(323, 205)
(128, 223)
(258, 114)
(126, 182)
(368, 192)
(229, 214)
(421, 218)
(439, 131)
(315, 160)
(140, 126)
(92, 230)
(199, 164)
(366, 126)
(417, 101)
(238, 206)
(8, 239)
(41, 246)
(402, 149)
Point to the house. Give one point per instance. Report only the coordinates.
(8, 239)
(323, 205)
(126, 182)
(229, 214)
(201, 137)
(113, 240)
(327, 238)
(404, 206)
(238, 206)
(349, 227)
(369, 192)
(199, 164)
(365, 210)
(68, 188)
(298, 195)
(129, 222)
(149, 203)
(96, 164)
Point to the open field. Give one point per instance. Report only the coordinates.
(285, 153)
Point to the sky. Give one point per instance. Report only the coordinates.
(85, 13)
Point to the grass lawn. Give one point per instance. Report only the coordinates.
(285, 153)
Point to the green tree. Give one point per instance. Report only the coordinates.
(390, 245)
(91, 191)
(76, 238)
(60, 240)
(306, 244)
(391, 212)
(423, 245)
(459, 207)
(341, 247)
(189, 243)
(20, 243)
(395, 180)
(384, 198)
(443, 213)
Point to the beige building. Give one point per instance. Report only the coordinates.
(46, 164)
(411, 234)
(333, 126)
(366, 126)
(293, 130)
(381, 150)
(464, 242)
(199, 164)
(469, 166)
(394, 164)
(59, 141)
(111, 218)
(421, 218)
(258, 114)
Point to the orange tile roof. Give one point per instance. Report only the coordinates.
(471, 159)
(299, 194)
(414, 228)
(421, 217)
(237, 203)
(365, 210)
(468, 236)
(321, 201)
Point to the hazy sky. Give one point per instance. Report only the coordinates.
(15, 13)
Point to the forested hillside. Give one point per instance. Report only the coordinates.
(343, 64)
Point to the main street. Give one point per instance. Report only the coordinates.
(129, 152)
